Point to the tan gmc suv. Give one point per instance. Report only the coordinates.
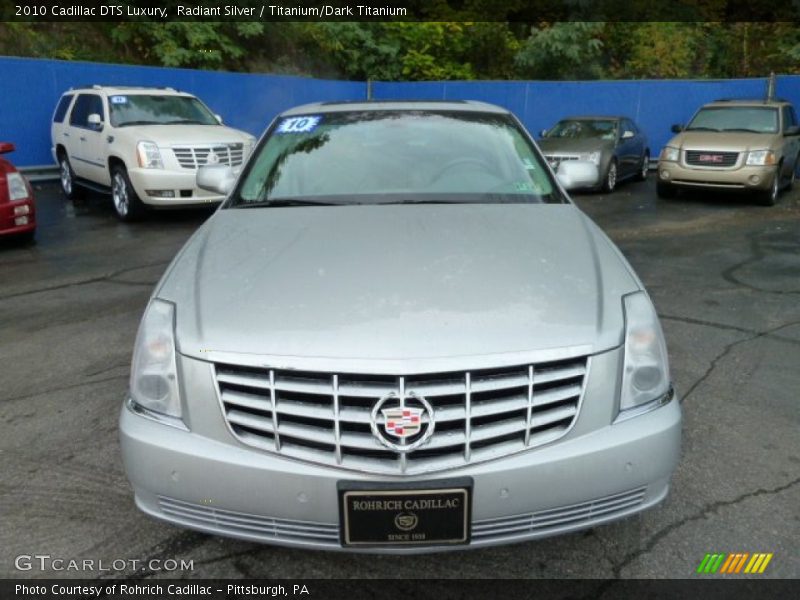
(746, 145)
(143, 145)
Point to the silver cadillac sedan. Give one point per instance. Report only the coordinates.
(398, 334)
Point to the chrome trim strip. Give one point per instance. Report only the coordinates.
(141, 411)
(467, 416)
(272, 404)
(336, 427)
(630, 413)
(530, 405)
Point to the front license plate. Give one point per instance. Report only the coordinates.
(398, 514)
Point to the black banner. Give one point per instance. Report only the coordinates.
(439, 589)
(528, 11)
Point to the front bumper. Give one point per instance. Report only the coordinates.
(182, 184)
(224, 488)
(742, 178)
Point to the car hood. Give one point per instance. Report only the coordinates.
(397, 283)
(175, 135)
(736, 141)
(549, 145)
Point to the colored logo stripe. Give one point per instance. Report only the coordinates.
(734, 563)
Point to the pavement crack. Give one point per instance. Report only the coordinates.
(109, 278)
(703, 513)
(756, 254)
(62, 388)
(727, 350)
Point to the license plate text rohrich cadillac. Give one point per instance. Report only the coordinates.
(429, 504)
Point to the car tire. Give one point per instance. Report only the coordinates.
(793, 175)
(666, 190)
(610, 178)
(66, 176)
(126, 201)
(644, 168)
(770, 197)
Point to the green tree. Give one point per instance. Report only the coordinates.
(563, 51)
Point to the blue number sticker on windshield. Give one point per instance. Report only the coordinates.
(298, 124)
(119, 99)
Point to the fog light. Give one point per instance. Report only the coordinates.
(754, 179)
(161, 193)
(21, 221)
(22, 210)
(664, 174)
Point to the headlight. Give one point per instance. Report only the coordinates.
(17, 190)
(154, 376)
(149, 155)
(760, 158)
(645, 375)
(669, 153)
(591, 157)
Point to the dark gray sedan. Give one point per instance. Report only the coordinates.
(615, 144)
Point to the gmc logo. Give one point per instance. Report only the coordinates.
(714, 158)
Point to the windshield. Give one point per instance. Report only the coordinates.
(380, 157)
(758, 119)
(603, 129)
(158, 109)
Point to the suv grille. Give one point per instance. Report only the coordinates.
(326, 417)
(193, 157)
(709, 158)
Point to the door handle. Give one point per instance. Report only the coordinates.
(66, 134)
(83, 139)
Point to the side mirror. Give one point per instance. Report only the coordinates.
(677, 128)
(218, 118)
(95, 122)
(216, 178)
(543, 133)
(575, 174)
(793, 130)
(6, 147)
(627, 134)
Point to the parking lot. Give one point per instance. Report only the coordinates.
(724, 275)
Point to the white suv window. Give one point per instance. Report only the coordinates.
(85, 105)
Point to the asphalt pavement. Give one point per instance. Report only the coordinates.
(724, 275)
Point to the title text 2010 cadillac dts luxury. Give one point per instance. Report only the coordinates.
(398, 334)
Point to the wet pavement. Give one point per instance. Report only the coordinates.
(724, 275)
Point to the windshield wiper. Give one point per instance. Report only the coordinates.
(278, 202)
(126, 123)
(700, 129)
(424, 202)
(743, 129)
(187, 122)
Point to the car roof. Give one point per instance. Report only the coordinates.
(127, 89)
(747, 102)
(396, 105)
(594, 118)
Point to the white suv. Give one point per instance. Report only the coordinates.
(144, 145)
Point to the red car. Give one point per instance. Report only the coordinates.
(17, 211)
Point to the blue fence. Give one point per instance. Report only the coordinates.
(654, 104)
(244, 101)
(250, 101)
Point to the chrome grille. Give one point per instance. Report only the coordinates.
(711, 158)
(563, 516)
(245, 524)
(557, 159)
(326, 417)
(193, 157)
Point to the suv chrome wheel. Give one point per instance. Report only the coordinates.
(67, 179)
(119, 193)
